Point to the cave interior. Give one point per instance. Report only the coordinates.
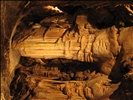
(67, 50)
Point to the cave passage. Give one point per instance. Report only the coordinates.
(72, 51)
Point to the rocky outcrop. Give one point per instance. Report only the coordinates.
(86, 44)
(49, 81)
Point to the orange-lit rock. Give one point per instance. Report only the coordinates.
(66, 50)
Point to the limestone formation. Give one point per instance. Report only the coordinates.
(67, 50)
(75, 46)
(53, 42)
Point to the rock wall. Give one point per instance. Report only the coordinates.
(76, 39)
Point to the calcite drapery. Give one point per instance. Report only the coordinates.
(60, 42)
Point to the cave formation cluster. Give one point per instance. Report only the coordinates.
(67, 50)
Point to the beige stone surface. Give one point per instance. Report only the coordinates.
(126, 39)
(101, 45)
(84, 41)
(53, 34)
(93, 45)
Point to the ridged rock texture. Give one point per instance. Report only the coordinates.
(67, 50)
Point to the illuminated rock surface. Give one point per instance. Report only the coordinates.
(67, 50)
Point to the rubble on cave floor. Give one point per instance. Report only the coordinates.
(52, 81)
